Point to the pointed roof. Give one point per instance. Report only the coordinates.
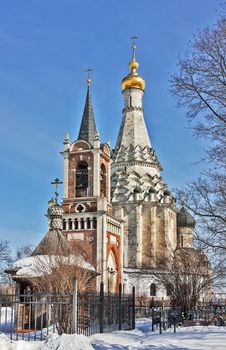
(54, 242)
(88, 126)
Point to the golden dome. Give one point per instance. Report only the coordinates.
(133, 80)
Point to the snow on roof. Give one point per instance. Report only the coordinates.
(35, 266)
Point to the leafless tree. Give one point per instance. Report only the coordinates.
(200, 87)
(200, 84)
(55, 273)
(186, 275)
(24, 251)
(5, 260)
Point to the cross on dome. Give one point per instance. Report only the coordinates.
(56, 182)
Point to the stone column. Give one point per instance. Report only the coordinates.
(96, 173)
(66, 154)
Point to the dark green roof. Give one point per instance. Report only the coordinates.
(185, 219)
(88, 126)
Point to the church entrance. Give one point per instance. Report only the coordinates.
(111, 273)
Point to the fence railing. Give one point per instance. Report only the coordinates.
(33, 316)
(165, 318)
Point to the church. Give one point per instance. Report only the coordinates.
(115, 201)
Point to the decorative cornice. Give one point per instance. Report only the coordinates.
(130, 109)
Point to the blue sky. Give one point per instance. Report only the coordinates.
(45, 48)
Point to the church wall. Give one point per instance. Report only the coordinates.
(148, 213)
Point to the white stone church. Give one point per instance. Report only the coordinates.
(115, 202)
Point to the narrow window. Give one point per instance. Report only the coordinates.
(82, 224)
(153, 290)
(169, 290)
(81, 186)
(94, 223)
(103, 180)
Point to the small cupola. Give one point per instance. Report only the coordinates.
(185, 219)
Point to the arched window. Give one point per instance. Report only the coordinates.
(153, 290)
(82, 224)
(88, 223)
(169, 290)
(81, 186)
(103, 180)
(64, 224)
(182, 241)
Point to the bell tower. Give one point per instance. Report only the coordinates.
(88, 218)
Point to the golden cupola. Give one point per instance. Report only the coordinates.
(133, 80)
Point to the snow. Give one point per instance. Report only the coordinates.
(34, 266)
(142, 338)
(6, 319)
(63, 342)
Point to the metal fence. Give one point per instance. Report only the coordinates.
(171, 319)
(34, 316)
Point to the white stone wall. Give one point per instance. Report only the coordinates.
(142, 284)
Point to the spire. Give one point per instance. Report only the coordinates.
(67, 138)
(88, 126)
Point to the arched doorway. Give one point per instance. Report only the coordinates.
(111, 273)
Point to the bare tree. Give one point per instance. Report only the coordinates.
(24, 251)
(5, 260)
(186, 275)
(55, 273)
(199, 86)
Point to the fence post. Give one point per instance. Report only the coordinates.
(152, 318)
(133, 309)
(120, 306)
(101, 307)
(74, 305)
(160, 322)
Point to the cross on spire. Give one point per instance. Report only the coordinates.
(134, 39)
(56, 182)
(134, 44)
(88, 79)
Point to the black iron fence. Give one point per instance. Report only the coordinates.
(170, 319)
(34, 316)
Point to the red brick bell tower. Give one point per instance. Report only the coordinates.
(88, 215)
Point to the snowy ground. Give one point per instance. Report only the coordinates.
(142, 338)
